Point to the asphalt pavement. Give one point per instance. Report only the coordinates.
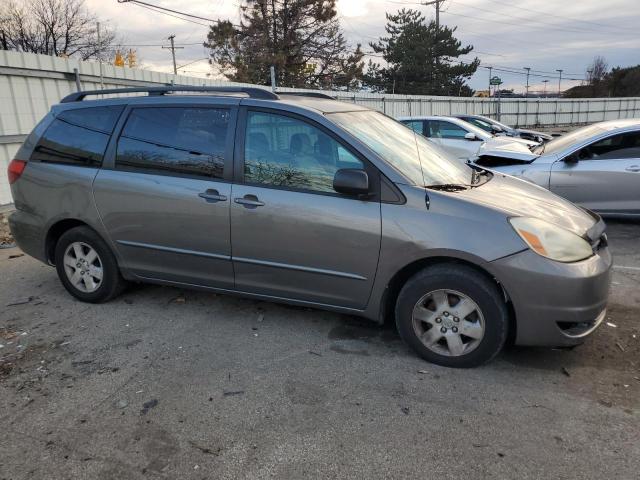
(175, 384)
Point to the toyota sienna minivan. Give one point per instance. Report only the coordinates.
(310, 201)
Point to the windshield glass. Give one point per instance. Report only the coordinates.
(480, 133)
(565, 141)
(418, 159)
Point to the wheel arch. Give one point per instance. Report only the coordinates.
(400, 278)
(54, 233)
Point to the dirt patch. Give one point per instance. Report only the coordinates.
(6, 238)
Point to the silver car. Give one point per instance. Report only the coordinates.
(597, 166)
(309, 201)
(460, 138)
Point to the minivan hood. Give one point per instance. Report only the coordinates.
(508, 147)
(517, 197)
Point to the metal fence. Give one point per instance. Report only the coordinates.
(30, 84)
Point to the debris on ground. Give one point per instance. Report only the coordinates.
(20, 301)
(565, 371)
(179, 299)
(232, 393)
(260, 317)
(121, 404)
(620, 346)
(146, 406)
(612, 325)
(17, 255)
(6, 239)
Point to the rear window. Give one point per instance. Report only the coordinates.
(101, 119)
(178, 141)
(77, 136)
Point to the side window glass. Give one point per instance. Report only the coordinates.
(68, 144)
(415, 125)
(447, 129)
(101, 119)
(287, 152)
(179, 141)
(622, 146)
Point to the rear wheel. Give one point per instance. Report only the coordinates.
(452, 315)
(86, 266)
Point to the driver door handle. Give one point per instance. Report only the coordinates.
(249, 201)
(633, 168)
(212, 196)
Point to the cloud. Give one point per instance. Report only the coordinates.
(541, 34)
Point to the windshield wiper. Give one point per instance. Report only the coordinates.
(449, 187)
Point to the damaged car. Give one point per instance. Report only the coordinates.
(597, 166)
(497, 128)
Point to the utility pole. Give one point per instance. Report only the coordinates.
(100, 57)
(544, 91)
(559, 80)
(490, 68)
(437, 4)
(173, 53)
(528, 69)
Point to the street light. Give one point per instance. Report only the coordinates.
(544, 91)
(559, 80)
(528, 69)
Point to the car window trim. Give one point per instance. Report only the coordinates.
(372, 171)
(606, 137)
(109, 159)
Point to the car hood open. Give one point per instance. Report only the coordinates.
(507, 147)
(520, 198)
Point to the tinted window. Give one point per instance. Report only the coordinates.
(102, 119)
(479, 123)
(440, 129)
(625, 145)
(175, 140)
(284, 151)
(415, 125)
(70, 144)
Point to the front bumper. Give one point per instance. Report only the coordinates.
(555, 304)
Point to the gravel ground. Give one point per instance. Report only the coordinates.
(165, 383)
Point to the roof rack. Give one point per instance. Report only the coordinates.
(251, 92)
(309, 94)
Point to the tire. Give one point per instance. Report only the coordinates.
(88, 287)
(431, 299)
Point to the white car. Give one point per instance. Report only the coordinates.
(457, 136)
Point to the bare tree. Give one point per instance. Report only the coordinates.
(53, 27)
(597, 70)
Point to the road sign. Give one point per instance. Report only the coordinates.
(495, 81)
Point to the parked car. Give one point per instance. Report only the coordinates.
(460, 138)
(494, 127)
(308, 201)
(597, 166)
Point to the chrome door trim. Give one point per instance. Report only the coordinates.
(300, 268)
(173, 250)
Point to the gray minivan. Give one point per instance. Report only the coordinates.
(306, 200)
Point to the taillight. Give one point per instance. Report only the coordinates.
(16, 167)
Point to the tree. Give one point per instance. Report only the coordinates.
(300, 38)
(597, 70)
(53, 27)
(420, 58)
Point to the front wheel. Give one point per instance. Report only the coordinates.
(452, 315)
(86, 266)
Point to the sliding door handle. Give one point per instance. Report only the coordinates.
(249, 201)
(212, 196)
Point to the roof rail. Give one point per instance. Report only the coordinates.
(309, 94)
(252, 92)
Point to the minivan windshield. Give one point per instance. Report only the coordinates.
(565, 141)
(418, 159)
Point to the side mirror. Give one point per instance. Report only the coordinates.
(496, 129)
(351, 181)
(571, 159)
(470, 136)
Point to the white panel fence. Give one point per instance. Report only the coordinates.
(30, 84)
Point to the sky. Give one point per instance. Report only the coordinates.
(544, 35)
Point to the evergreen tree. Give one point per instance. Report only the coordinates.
(421, 58)
(300, 38)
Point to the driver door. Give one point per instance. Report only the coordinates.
(292, 235)
(603, 176)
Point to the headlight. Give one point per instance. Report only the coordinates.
(551, 241)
